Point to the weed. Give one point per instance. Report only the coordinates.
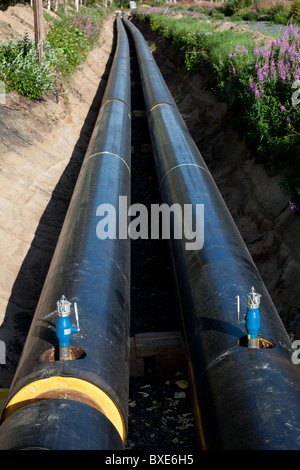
(73, 36)
(262, 78)
(67, 44)
(19, 69)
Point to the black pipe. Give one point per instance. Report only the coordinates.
(243, 398)
(86, 397)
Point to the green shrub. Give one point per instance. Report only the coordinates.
(295, 9)
(236, 5)
(261, 80)
(68, 42)
(250, 15)
(19, 69)
(73, 36)
(237, 17)
(280, 18)
(218, 16)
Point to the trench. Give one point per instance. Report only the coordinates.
(160, 414)
(159, 408)
(152, 301)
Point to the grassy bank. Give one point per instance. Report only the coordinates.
(68, 42)
(263, 83)
(277, 12)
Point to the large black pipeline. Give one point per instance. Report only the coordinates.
(244, 398)
(81, 402)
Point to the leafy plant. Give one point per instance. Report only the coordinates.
(68, 42)
(19, 69)
(280, 18)
(295, 9)
(261, 79)
(72, 38)
(265, 88)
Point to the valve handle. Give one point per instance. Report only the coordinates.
(76, 315)
(238, 307)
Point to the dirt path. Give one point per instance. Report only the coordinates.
(42, 145)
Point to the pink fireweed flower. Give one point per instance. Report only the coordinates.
(252, 87)
(272, 67)
(260, 75)
(294, 207)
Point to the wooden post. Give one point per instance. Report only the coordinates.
(39, 28)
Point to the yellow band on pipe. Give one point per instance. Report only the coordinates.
(72, 388)
(114, 99)
(159, 104)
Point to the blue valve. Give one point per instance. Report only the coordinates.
(252, 317)
(64, 328)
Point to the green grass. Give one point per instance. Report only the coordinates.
(197, 41)
(257, 81)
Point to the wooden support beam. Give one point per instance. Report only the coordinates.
(165, 348)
